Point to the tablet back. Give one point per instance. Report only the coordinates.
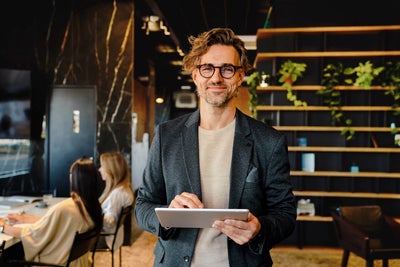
(197, 218)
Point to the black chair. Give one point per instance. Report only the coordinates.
(83, 243)
(121, 219)
(367, 232)
(2, 247)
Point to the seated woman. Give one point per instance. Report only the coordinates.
(49, 238)
(117, 193)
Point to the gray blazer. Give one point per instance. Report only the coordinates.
(260, 182)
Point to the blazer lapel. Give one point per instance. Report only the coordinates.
(241, 156)
(190, 145)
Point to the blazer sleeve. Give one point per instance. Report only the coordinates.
(152, 192)
(280, 220)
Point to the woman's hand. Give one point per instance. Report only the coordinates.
(2, 221)
(15, 218)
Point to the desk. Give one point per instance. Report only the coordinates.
(28, 208)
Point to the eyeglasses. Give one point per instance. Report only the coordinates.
(227, 70)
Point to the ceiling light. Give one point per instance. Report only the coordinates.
(154, 24)
(159, 100)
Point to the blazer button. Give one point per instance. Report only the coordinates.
(186, 258)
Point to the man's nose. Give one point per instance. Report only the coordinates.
(217, 75)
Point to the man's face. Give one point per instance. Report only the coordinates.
(217, 90)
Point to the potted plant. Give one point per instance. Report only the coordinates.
(365, 74)
(290, 71)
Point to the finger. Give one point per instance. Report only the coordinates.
(193, 199)
(183, 202)
(239, 231)
(186, 200)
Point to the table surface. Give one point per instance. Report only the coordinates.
(29, 208)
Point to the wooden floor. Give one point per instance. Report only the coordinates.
(140, 254)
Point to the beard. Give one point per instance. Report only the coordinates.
(218, 99)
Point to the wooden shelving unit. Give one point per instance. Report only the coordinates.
(332, 184)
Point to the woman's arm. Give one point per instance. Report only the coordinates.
(22, 218)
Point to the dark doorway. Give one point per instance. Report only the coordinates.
(71, 133)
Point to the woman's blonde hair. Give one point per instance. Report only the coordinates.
(116, 167)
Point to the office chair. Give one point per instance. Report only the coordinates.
(2, 246)
(367, 232)
(121, 219)
(83, 243)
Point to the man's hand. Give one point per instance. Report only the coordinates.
(186, 200)
(239, 231)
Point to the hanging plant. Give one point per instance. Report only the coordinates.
(253, 81)
(390, 78)
(290, 71)
(333, 76)
(365, 74)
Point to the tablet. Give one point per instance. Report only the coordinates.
(197, 218)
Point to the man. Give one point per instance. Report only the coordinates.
(217, 157)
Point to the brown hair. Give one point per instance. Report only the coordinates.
(115, 165)
(84, 179)
(203, 41)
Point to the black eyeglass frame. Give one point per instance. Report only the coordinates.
(235, 68)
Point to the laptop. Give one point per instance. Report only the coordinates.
(10, 204)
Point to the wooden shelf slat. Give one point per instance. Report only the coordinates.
(318, 218)
(324, 108)
(332, 128)
(394, 175)
(319, 87)
(262, 56)
(315, 218)
(261, 33)
(343, 149)
(347, 194)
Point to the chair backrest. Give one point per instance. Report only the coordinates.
(124, 212)
(121, 219)
(2, 247)
(83, 243)
(369, 219)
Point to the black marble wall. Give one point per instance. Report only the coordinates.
(73, 43)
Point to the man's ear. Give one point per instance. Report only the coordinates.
(241, 77)
(194, 75)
